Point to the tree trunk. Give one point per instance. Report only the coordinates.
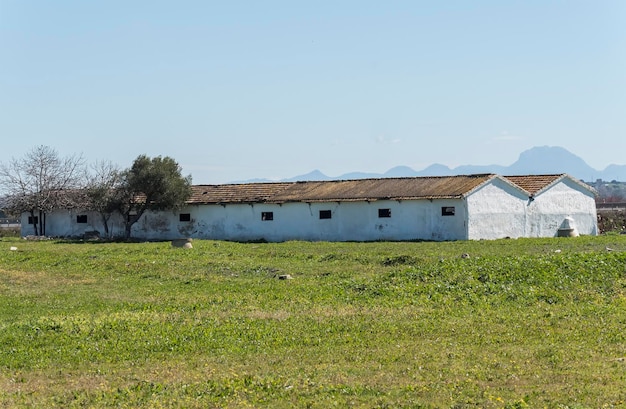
(32, 218)
(130, 220)
(105, 224)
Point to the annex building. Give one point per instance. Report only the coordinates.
(465, 207)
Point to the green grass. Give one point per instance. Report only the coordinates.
(519, 323)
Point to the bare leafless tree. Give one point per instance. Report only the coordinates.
(40, 182)
(102, 192)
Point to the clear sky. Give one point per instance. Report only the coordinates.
(236, 90)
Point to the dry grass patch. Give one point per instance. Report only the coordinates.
(37, 282)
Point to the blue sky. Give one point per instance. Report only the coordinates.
(235, 90)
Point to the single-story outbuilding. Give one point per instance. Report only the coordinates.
(465, 207)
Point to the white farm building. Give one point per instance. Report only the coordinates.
(468, 207)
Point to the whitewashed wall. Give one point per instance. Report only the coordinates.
(62, 223)
(565, 199)
(499, 210)
(359, 221)
(496, 210)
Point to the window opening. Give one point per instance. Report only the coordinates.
(447, 211)
(325, 214)
(266, 216)
(33, 220)
(384, 212)
(81, 218)
(184, 217)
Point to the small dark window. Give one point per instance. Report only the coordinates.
(33, 220)
(81, 218)
(267, 216)
(184, 217)
(384, 212)
(447, 211)
(325, 214)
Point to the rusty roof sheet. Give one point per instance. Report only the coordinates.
(534, 183)
(342, 190)
(236, 193)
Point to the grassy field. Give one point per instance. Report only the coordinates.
(490, 324)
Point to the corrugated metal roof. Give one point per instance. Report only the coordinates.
(342, 190)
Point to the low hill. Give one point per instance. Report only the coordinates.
(537, 160)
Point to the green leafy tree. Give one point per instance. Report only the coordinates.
(151, 184)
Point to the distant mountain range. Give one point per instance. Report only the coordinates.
(535, 161)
